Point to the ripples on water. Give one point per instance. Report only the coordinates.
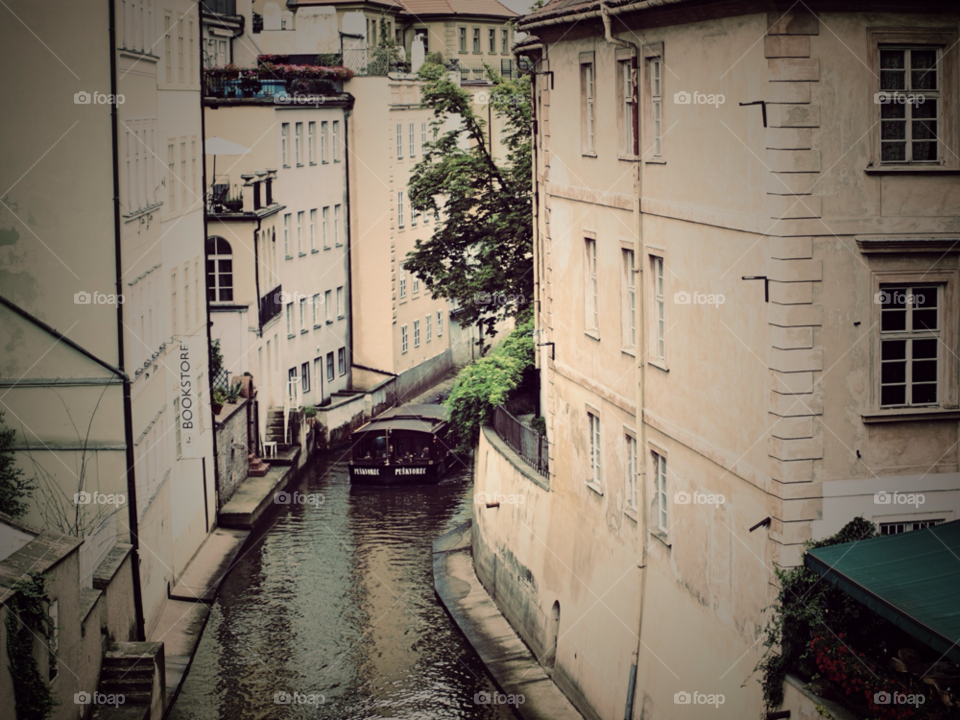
(337, 600)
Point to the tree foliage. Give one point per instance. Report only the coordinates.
(481, 251)
(482, 386)
(15, 489)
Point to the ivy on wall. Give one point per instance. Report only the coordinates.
(27, 619)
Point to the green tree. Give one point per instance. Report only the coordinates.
(481, 250)
(14, 487)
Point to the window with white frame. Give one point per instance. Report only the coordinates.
(630, 468)
(416, 284)
(340, 306)
(416, 333)
(336, 141)
(476, 40)
(595, 476)
(492, 40)
(336, 226)
(429, 328)
(399, 141)
(219, 270)
(327, 303)
(323, 227)
(315, 301)
(330, 374)
(659, 489)
(303, 315)
(298, 138)
(313, 230)
(300, 217)
(902, 526)
(439, 323)
(590, 287)
(462, 42)
(909, 104)
(413, 215)
(587, 104)
(654, 142)
(284, 144)
(174, 309)
(404, 340)
(400, 209)
(659, 307)
(504, 42)
(311, 143)
(626, 110)
(290, 319)
(629, 300)
(324, 134)
(910, 327)
(413, 141)
(423, 136)
(342, 360)
(402, 282)
(286, 235)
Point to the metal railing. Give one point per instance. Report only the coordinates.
(476, 70)
(374, 61)
(530, 445)
(270, 305)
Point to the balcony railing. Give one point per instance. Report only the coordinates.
(476, 70)
(270, 305)
(220, 7)
(373, 62)
(530, 445)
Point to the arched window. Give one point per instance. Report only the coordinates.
(219, 270)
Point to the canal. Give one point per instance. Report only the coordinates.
(333, 604)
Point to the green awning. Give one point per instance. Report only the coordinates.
(912, 579)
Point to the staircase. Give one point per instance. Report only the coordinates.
(275, 427)
(134, 670)
(256, 467)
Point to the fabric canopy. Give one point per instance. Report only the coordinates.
(219, 146)
(912, 579)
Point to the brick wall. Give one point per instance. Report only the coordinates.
(232, 452)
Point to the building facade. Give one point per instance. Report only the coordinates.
(755, 273)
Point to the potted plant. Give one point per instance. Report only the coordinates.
(219, 398)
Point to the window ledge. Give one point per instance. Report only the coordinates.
(302, 254)
(299, 164)
(597, 488)
(288, 257)
(314, 250)
(908, 415)
(632, 352)
(317, 327)
(290, 336)
(340, 317)
(661, 536)
(592, 334)
(329, 322)
(659, 364)
(588, 153)
(339, 245)
(655, 162)
(326, 247)
(628, 157)
(304, 331)
(631, 513)
(909, 170)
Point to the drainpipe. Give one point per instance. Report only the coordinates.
(605, 16)
(347, 113)
(133, 520)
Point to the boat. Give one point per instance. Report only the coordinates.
(406, 444)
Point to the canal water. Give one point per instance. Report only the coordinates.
(334, 606)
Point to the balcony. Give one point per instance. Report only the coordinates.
(219, 7)
(476, 70)
(526, 442)
(270, 305)
(274, 79)
(254, 199)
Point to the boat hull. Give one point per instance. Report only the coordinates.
(396, 474)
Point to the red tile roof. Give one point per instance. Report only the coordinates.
(490, 8)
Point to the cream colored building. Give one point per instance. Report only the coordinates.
(110, 397)
(785, 243)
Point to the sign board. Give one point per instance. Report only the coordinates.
(187, 390)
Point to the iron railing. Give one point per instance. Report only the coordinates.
(373, 62)
(476, 70)
(530, 445)
(270, 305)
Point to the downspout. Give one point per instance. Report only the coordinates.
(605, 16)
(134, 525)
(206, 292)
(347, 113)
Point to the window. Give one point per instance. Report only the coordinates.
(413, 141)
(595, 476)
(659, 306)
(587, 103)
(315, 302)
(631, 471)
(167, 48)
(300, 217)
(183, 174)
(340, 301)
(180, 71)
(327, 302)
(330, 374)
(402, 282)
(463, 39)
(196, 292)
(399, 141)
(286, 235)
(413, 215)
(323, 229)
(298, 130)
(336, 141)
(311, 143)
(403, 339)
(336, 226)
(313, 230)
(174, 310)
(591, 315)
(186, 297)
(492, 37)
(909, 345)
(476, 40)
(193, 167)
(171, 193)
(909, 102)
(439, 323)
(219, 270)
(176, 424)
(303, 315)
(400, 209)
(318, 372)
(416, 333)
(654, 140)
(660, 490)
(626, 116)
(284, 143)
(429, 328)
(290, 319)
(305, 377)
(504, 41)
(423, 136)
(895, 528)
(342, 361)
(629, 301)
(324, 132)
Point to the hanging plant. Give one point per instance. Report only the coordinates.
(27, 619)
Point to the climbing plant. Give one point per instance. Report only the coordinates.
(27, 619)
